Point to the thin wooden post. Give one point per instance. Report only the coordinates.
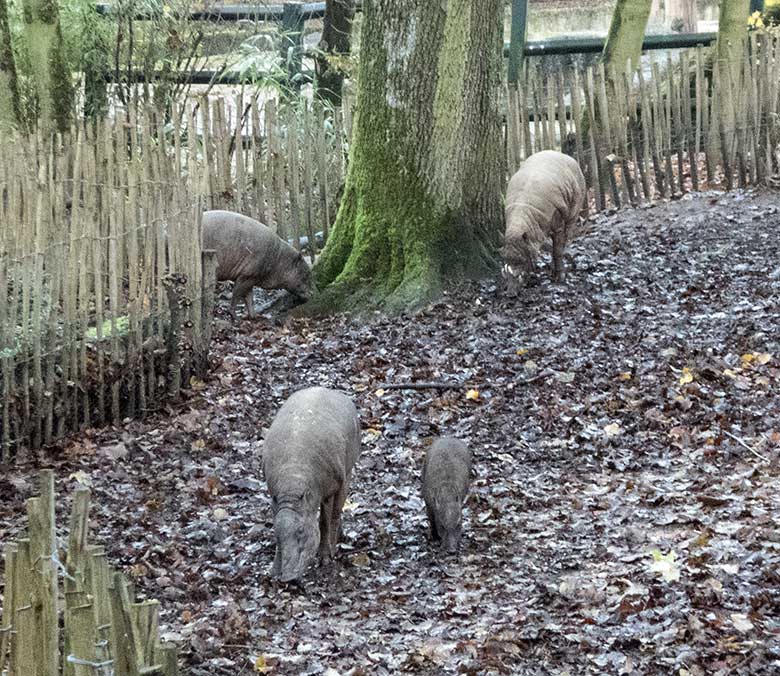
(74, 582)
(704, 116)
(293, 177)
(165, 656)
(322, 168)
(209, 262)
(594, 141)
(40, 512)
(576, 112)
(173, 284)
(9, 602)
(145, 618)
(126, 658)
(82, 638)
(675, 94)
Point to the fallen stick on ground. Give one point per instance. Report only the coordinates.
(747, 446)
(450, 385)
(421, 386)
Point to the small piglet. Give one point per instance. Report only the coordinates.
(250, 254)
(308, 456)
(446, 477)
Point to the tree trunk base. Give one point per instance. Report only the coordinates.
(423, 280)
(421, 206)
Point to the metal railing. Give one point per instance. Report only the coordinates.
(293, 17)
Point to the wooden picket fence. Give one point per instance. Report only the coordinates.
(103, 630)
(675, 126)
(279, 162)
(106, 299)
(102, 290)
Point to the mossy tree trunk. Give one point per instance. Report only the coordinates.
(9, 92)
(422, 199)
(50, 70)
(335, 45)
(626, 33)
(732, 30)
(730, 52)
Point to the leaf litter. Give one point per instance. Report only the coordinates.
(624, 513)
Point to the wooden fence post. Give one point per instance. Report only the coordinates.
(124, 649)
(40, 512)
(209, 262)
(173, 284)
(102, 627)
(165, 656)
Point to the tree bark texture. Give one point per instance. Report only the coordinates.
(732, 30)
(729, 52)
(336, 34)
(626, 32)
(681, 15)
(9, 91)
(422, 200)
(50, 71)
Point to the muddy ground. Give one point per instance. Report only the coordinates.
(625, 512)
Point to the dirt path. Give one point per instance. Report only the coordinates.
(634, 409)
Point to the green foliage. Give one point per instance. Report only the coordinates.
(117, 47)
(256, 64)
(87, 36)
(106, 328)
(9, 97)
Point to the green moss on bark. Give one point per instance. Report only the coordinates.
(10, 113)
(422, 203)
(626, 32)
(50, 71)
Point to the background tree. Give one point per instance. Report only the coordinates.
(732, 29)
(729, 52)
(9, 91)
(335, 46)
(422, 199)
(51, 74)
(626, 33)
(681, 15)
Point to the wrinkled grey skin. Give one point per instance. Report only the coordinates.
(446, 477)
(544, 200)
(250, 254)
(309, 452)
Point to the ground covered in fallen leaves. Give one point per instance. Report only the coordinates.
(625, 512)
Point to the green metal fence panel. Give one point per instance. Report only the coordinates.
(517, 38)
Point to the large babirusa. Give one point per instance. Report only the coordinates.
(446, 477)
(251, 254)
(543, 200)
(308, 456)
